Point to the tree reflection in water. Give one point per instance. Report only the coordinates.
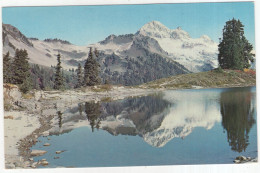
(93, 112)
(60, 118)
(139, 110)
(80, 107)
(237, 117)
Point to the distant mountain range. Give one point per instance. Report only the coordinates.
(153, 52)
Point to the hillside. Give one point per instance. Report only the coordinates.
(210, 79)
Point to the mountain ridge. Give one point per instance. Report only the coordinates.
(161, 51)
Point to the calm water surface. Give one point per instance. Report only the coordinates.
(208, 126)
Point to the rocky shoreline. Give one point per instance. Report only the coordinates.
(37, 109)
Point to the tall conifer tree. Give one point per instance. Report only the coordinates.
(91, 69)
(234, 48)
(58, 82)
(7, 72)
(79, 76)
(20, 66)
(21, 70)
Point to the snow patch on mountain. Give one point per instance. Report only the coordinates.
(193, 53)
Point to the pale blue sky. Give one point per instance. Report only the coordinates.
(82, 25)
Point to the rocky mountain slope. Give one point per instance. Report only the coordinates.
(153, 52)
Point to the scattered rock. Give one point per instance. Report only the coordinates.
(9, 117)
(46, 144)
(58, 152)
(243, 159)
(27, 164)
(38, 152)
(44, 160)
(46, 133)
(34, 165)
(44, 163)
(31, 159)
(254, 160)
(236, 161)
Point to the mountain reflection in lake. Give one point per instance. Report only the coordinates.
(170, 127)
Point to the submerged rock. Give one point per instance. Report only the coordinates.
(58, 152)
(38, 152)
(46, 144)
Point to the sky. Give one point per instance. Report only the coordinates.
(82, 25)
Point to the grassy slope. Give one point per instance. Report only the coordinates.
(209, 79)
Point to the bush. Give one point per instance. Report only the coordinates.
(219, 70)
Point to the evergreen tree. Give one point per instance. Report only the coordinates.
(21, 70)
(79, 76)
(20, 66)
(58, 82)
(234, 48)
(7, 73)
(91, 70)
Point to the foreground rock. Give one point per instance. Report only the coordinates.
(38, 152)
(243, 159)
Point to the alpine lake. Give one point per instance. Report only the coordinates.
(172, 127)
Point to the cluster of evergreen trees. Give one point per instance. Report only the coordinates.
(234, 48)
(90, 75)
(17, 71)
(44, 77)
(27, 76)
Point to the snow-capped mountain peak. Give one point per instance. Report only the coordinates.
(158, 30)
(155, 29)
